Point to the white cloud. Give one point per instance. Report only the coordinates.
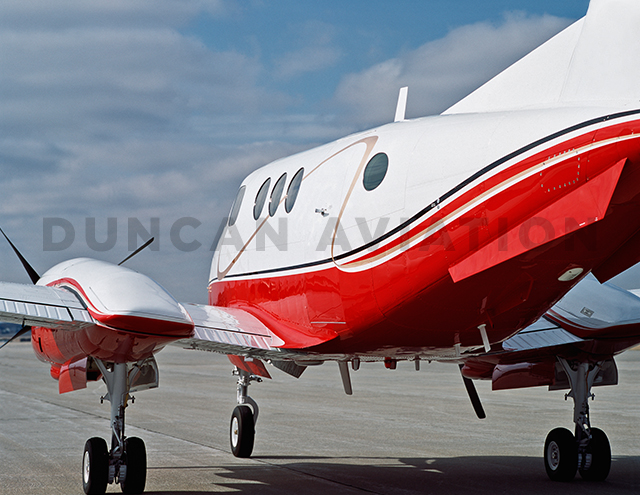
(100, 80)
(101, 116)
(442, 72)
(316, 50)
(108, 110)
(307, 59)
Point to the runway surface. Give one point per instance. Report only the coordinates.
(402, 432)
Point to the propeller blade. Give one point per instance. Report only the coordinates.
(19, 333)
(473, 395)
(33, 275)
(137, 251)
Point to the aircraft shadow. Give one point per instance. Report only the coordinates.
(458, 475)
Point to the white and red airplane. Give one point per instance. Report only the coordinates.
(452, 238)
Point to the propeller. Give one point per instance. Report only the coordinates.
(33, 275)
(20, 332)
(137, 251)
(473, 395)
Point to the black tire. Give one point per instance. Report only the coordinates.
(95, 466)
(136, 462)
(242, 431)
(560, 455)
(600, 451)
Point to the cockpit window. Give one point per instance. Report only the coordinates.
(235, 209)
(375, 171)
(260, 198)
(276, 194)
(292, 191)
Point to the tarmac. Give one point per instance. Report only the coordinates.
(402, 432)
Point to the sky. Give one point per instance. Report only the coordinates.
(150, 113)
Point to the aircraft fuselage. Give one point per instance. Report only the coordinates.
(479, 219)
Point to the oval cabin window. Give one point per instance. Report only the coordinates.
(292, 191)
(235, 209)
(276, 194)
(260, 198)
(375, 171)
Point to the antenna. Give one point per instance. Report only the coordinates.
(401, 107)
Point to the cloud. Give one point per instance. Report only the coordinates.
(95, 81)
(307, 59)
(63, 14)
(441, 72)
(109, 110)
(316, 51)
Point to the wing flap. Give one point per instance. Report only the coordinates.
(232, 331)
(540, 335)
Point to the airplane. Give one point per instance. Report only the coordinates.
(484, 236)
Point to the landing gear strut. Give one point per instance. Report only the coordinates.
(126, 462)
(244, 417)
(588, 450)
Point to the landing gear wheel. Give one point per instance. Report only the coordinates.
(600, 451)
(136, 462)
(95, 466)
(560, 455)
(242, 431)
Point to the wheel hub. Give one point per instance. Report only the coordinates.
(86, 467)
(553, 455)
(234, 431)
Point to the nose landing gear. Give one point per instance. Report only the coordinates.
(126, 462)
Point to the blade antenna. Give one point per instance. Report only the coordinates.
(137, 251)
(33, 275)
(19, 333)
(473, 395)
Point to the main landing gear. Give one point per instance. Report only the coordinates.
(244, 417)
(126, 462)
(588, 451)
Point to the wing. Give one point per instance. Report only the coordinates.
(225, 330)
(228, 331)
(36, 305)
(236, 332)
(593, 322)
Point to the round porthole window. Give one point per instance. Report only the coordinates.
(375, 171)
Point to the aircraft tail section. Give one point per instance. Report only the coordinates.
(593, 62)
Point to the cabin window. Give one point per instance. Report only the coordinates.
(276, 194)
(260, 198)
(292, 191)
(235, 209)
(375, 171)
